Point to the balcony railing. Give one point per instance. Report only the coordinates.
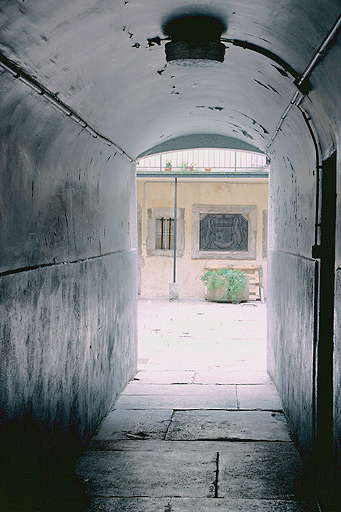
(195, 170)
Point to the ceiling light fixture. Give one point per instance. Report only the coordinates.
(194, 41)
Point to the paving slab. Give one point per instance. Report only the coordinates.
(160, 469)
(263, 397)
(196, 356)
(227, 400)
(140, 388)
(165, 377)
(235, 505)
(229, 425)
(222, 376)
(128, 424)
(193, 505)
(156, 474)
(156, 446)
(191, 364)
(205, 358)
(209, 328)
(129, 505)
(260, 471)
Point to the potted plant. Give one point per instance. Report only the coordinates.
(184, 166)
(168, 166)
(225, 285)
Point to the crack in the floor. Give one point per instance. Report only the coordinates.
(170, 422)
(168, 507)
(237, 399)
(216, 482)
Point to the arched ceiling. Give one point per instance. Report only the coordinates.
(95, 56)
(202, 140)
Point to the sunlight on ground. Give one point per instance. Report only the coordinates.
(200, 335)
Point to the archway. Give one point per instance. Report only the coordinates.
(74, 117)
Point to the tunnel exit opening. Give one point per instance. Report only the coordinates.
(201, 210)
(219, 200)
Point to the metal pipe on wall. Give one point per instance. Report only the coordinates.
(175, 225)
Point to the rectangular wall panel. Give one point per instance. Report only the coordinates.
(291, 339)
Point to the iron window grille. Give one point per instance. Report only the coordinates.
(164, 233)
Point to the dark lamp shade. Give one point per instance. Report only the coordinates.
(183, 53)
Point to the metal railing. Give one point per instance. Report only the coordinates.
(201, 170)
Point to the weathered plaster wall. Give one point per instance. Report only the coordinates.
(337, 305)
(291, 341)
(324, 110)
(292, 275)
(292, 219)
(68, 278)
(337, 370)
(157, 271)
(335, 100)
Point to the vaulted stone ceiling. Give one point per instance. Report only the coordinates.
(95, 56)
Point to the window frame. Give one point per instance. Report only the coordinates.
(166, 233)
(248, 211)
(158, 212)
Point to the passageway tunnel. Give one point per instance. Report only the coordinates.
(85, 90)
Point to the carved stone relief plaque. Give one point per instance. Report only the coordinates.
(223, 232)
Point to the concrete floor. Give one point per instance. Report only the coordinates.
(200, 429)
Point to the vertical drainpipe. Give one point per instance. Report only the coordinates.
(175, 225)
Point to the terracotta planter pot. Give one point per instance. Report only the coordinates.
(208, 169)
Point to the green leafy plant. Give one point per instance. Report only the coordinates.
(168, 165)
(233, 281)
(184, 166)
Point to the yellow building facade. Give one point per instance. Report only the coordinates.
(222, 202)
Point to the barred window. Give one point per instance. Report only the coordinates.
(160, 232)
(164, 233)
